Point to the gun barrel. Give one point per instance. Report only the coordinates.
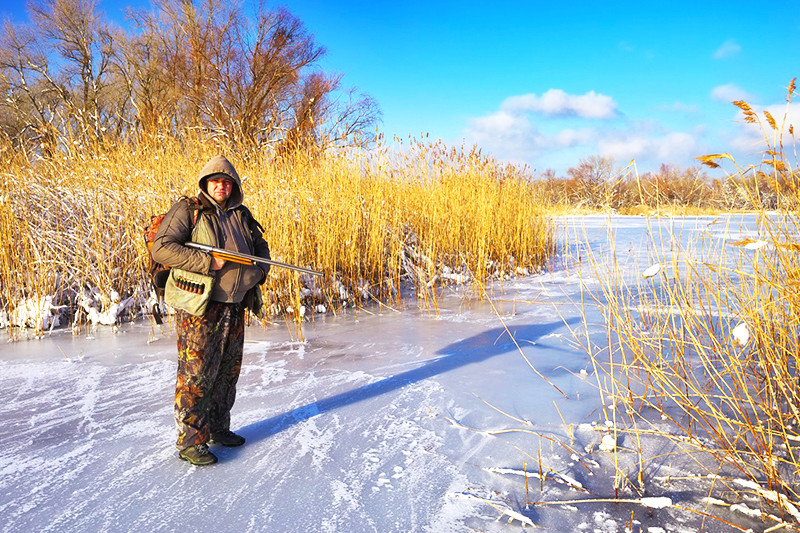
(238, 257)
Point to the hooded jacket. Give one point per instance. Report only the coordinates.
(231, 228)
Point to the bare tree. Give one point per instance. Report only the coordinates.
(351, 120)
(83, 44)
(186, 65)
(138, 63)
(56, 71)
(590, 183)
(251, 81)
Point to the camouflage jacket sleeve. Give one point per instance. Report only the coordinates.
(168, 246)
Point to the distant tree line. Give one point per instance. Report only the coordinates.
(596, 184)
(70, 77)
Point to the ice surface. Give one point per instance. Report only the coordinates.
(376, 422)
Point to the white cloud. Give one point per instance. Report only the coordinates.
(529, 129)
(501, 123)
(729, 93)
(746, 143)
(623, 147)
(573, 137)
(790, 114)
(514, 138)
(556, 102)
(514, 133)
(625, 46)
(669, 147)
(510, 134)
(727, 49)
(677, 146)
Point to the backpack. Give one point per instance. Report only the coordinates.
(157, 272)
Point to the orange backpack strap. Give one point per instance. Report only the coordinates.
(158, 272)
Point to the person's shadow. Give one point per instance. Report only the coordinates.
(464, 352)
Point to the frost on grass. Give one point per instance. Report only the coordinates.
(504, 509)
(772, 496)
(558, 476)
(102, 309)
(37, 312)
(41, 314)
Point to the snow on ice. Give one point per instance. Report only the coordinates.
(741, 335)
(756, 245)
(651, 271)
(378, 421)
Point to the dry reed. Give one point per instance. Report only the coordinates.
(705, 353)
(374, 222)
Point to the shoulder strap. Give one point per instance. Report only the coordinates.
(196, 206)
(251, 220)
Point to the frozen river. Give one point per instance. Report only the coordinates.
(378, 421)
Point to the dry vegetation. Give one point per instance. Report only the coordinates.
(704, 355)
(115, 128)
(372, 221)
(101, 127)
(595, 184)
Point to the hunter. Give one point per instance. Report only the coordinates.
(211, 297)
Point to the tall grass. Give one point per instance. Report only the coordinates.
(376, 222)
(705, 354)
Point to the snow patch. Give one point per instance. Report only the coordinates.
(656, 502)
(608, 443)
(741, 334)
(651, 271)
(756, 245)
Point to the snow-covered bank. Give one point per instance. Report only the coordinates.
(377, 422)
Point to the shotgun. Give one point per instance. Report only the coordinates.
(246, 259)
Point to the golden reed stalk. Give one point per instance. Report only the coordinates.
(372, 221)
(706, 354)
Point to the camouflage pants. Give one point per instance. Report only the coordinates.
(209, 360)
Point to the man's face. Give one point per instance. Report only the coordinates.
(219, 188)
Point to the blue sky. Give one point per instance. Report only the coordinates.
(549, 83)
